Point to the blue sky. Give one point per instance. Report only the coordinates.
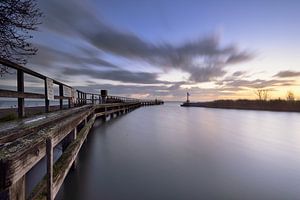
(161, 48)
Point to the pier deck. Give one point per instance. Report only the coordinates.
(29, 139)
(24, 144)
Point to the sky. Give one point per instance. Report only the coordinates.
(163, 48)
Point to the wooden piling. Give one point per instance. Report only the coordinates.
(49, 155)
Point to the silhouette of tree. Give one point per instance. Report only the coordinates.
(290, 96)
(17, 19)
(262, 94)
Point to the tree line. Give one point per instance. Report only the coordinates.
(264, 95)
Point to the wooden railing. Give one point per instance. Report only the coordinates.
(76, 98)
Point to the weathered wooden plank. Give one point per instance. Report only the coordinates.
(64, 164)
(24, 153)
(26, 70)
(16, 94)
(15, 192)
(19, 67)
(19, 129)
(49, 155)
(19, 156)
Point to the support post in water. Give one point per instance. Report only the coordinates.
(49, 155)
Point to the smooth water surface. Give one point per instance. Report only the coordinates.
(171, 152)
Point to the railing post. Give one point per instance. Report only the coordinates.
(16, 191)
(61, 94)
(49, 155)
(20, 85)
(47, 103)
(82, 97)
(69, 103)
(78, 98)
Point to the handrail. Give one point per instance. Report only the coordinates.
(75, 97)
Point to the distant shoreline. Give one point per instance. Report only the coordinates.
(272, 105)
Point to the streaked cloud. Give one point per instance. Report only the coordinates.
(120, 75)
(80, 20)
(257, 83)
(96, 54)
(287, 74)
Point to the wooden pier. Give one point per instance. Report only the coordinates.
(26, 141)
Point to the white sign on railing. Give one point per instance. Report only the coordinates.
(73, 92)
(50, 92)
(67, 91)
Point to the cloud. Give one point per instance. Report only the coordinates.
(79, 20)
(49, 57)
(126, 90)
(257, 83)
(205, 74)
(286, 74)
(168, 56)
(118, 75)
(174, 91)
(240, 57)
(239, 73)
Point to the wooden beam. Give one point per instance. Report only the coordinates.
(22, 128)
(20, 88)
(49, 155)
(61, 94)
(47, 102)
(16, 94)
(26, 70)
(63, 165)
(19, 67)
(23, 153)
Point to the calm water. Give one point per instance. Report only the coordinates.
(169, 152)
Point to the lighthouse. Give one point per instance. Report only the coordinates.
(187, 97)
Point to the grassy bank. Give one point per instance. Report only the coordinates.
(272, 105)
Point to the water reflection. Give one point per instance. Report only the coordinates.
(169, 152)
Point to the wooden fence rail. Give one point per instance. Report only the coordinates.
(25, 142)
(76, 98)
